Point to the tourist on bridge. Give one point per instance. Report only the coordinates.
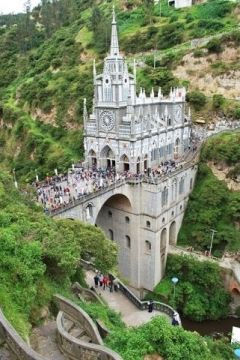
(96, 280)
(115, 285)
(150, 306)
(105, 282)
(175, 319)
(101, 280)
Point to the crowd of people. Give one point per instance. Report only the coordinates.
(58, 191)
(105, 281)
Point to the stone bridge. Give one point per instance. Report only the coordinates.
(142, 215)
(88, 207)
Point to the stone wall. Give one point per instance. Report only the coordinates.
(9, 335)
(76, 348)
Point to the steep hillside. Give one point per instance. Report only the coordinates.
(212, 205)
(40, 256)
(46, 69)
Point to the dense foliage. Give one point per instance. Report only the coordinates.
(211, 205)
(171, 342)
(39, 254)
(200, 293)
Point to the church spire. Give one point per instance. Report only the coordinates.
(114, 50)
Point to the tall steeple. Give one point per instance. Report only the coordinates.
(114, 50)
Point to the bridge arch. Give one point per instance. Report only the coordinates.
(115, 203)
(118, 229)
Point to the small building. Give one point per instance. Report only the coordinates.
(180, 3)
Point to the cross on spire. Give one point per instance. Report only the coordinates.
(114, 50)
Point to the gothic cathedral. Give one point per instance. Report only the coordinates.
(132, 132)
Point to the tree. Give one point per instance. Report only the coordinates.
(95, 19)
(148, 8)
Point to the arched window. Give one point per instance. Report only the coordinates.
(127, 219)
(191, 183)
(181, 186)
(148, 246)
(164, 196)
(89, 211)
(148, 224)
(109, 214)
(111, 236)
(128, 241)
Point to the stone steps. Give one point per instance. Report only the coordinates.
(75, 330)
(6, 353)
(43, 341)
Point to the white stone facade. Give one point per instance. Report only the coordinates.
(129, 131)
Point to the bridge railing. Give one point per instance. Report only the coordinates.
(76, 348)
(87, 197)
(130, 180)
(15, 343)
(143, 305)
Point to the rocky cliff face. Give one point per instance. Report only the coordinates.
(212, 73)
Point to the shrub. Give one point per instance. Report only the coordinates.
(170, 35)
(218, 101)
(236, 113)
(214, 46)
(198, 53)
(197, 99)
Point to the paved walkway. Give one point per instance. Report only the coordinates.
(131, 315)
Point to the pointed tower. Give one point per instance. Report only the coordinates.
(114, 49)
(115, 84)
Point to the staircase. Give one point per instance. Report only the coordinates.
(72, 336)
(44, 341)
(75, 329)
(6, 353)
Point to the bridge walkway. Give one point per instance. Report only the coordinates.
(131, 315)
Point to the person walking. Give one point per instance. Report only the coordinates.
(96, 280)
(175, 319)
(105, 282)
(115, 285)
(150, 306)
(101, 280)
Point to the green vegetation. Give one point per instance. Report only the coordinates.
(197, 99)
(40, 255)
(211, 204)
(200, 294)
(171, 342)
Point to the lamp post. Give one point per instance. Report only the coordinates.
(211, 244)
(36, 175)
(15, 179)
(174, 281)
